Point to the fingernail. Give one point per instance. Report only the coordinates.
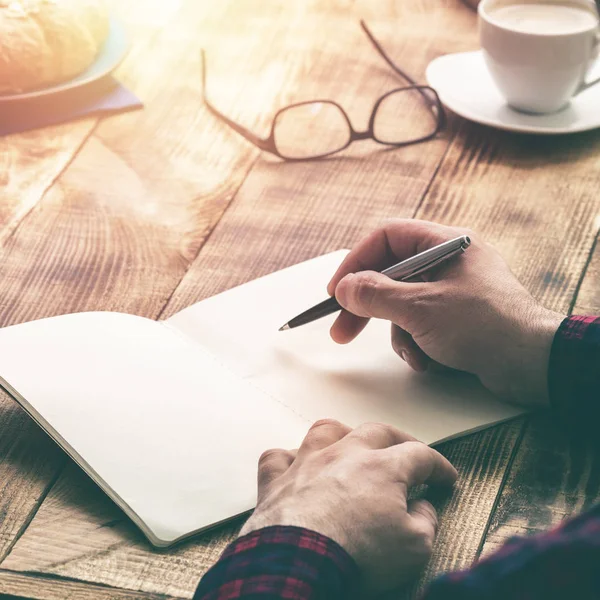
(408, 359)
(404, 355)
(340, 290)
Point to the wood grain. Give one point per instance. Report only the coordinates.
(162, 194)
(26, 468)
(532, 200)
(97, 238)
(126, 229)
(556, 475)
(119, 227)
(78, 533)
(29, 165)
(481, 460)
(518, 191)
(587, 301)
(18, 585)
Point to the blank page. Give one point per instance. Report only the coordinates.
(168, 433)
(359, 382)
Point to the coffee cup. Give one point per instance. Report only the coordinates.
(539, 53)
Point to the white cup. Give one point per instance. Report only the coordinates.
(538, 71)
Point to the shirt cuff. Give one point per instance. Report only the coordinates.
(574, 371)
(281, 562)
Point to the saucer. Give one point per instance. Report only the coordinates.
(465, 86)
(109, 58)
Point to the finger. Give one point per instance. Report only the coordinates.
(396, 240)
(346, 327)
(424, 518)
(416, 463)
(272, 464)
(406, 348)
(322, 434)
(369, 294)
(377, 436)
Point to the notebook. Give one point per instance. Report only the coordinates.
(170, 417)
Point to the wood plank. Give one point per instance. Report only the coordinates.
(116, 232)
(25, 470)
(533, 200)
(587, 301)
(78, 533)
(29, 165)
(30, 162)
(35, 587)
(481, 460)
(542, 220)
(554, 476)
(300, 202)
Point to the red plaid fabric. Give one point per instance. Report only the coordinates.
(281, 562)
(564, 563)
(574, 372)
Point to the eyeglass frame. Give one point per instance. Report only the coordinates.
(269, 144)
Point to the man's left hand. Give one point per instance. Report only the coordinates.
(352, 486)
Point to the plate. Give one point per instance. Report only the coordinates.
(465, 86)
(109, 58)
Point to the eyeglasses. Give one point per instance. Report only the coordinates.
(319, 128)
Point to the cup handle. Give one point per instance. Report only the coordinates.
(585, 84)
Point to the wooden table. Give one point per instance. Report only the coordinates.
(150, 211)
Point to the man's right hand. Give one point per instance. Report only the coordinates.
(470, 314)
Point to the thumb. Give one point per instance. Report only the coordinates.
(424, 517)
(371, 294)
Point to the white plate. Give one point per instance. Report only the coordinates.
(109, 58)
(466, 88)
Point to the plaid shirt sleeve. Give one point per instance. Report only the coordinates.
(297, 564)
(281, 562)
(574, 372)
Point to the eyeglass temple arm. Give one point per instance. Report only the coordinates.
(245, 133)
(393, 65)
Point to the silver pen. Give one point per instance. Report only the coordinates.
(407, 269)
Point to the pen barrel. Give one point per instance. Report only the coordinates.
(327, 307)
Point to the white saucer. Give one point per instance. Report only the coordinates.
(466, 88)
(109, 58)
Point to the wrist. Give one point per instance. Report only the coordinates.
(528, 375)
(261, 520)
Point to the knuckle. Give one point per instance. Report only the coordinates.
(378, 430)
(413, 446)
(325, 423)
(423, 545)
(269, 454)
(375, 427)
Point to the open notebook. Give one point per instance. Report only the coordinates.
(169, 418)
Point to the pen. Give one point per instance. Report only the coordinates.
(411, 267)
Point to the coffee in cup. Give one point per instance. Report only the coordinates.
(539, 52)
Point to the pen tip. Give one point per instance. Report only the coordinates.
(284, 327)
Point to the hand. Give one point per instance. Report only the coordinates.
(352, 486)
(470, 314)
